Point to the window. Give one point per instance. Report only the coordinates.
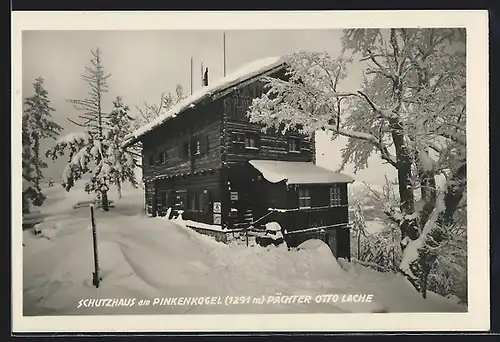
(200, 146)
(198, 201)
(293, 145)
(162, 202)
(197, 147)
(204, 201)
(238, 138)
(185, 150)
(251, 141)
(151, 160)
(164, 199)
(193, 201)
(181, 199)
(304, 198)
(335, 196)
(162, 157)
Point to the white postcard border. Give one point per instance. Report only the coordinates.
(476, 23)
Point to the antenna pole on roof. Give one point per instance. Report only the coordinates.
(201, 71)
(224, 53)
(191, 75)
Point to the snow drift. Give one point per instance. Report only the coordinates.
(142, 258)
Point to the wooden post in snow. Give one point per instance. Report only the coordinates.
(96, 276)
(202, 80)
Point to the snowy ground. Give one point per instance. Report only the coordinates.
(144, 258)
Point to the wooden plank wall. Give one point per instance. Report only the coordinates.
(149, 193)
(203, 124)
(272, 144)
(179, 190)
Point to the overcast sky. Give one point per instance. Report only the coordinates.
(144, 64)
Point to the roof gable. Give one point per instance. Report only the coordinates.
(245, 73)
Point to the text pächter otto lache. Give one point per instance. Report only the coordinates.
(277, 299)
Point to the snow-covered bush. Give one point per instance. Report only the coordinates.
(382, 252)
(382, 249)
(449, 275)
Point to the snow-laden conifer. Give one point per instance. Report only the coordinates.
(96, 150)
(37, 125)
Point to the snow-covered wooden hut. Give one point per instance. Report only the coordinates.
(205, 158)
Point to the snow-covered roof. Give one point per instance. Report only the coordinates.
(246, 72)
(298, 172)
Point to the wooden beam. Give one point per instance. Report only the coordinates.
(133, 153)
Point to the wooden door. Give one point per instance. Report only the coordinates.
(155, 200)
(333, 241)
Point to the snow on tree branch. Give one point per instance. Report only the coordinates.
(97, 150)
(150, 112)
(410, 109)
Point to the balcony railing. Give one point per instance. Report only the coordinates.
(310, 218)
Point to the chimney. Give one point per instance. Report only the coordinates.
(205, 78)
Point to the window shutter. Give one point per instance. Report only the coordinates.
(203, 145)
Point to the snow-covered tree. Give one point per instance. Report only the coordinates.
(358, 226)
(410, 109)
(97, 150)
(150, 112)
(37, 124)
(124, 163)
(89, 150)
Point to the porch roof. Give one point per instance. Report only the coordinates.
(298, 172)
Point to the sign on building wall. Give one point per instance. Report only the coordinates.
(234, 196)
(217, 219)
(217, 207)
